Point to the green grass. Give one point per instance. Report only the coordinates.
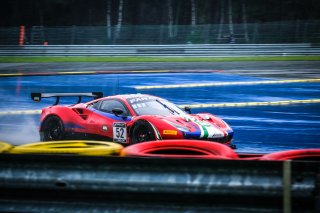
(15, 59)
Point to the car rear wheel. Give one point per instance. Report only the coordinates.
(142, 132)
(52, 129)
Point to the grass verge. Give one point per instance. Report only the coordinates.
(15, 59)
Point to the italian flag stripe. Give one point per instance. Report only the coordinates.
(205, 132)
(158, 135)
(203, 129)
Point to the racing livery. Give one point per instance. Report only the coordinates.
(127, 119)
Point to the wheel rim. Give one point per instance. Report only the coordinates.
(54, 130)
(143, 134)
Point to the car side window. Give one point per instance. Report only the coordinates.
(94, 105)
(109, 105)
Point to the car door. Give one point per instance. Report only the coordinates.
(108, 124)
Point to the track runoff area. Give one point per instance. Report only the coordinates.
(192, 85)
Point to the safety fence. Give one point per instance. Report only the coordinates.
(251, 33)
(204, 50)
(59, 183)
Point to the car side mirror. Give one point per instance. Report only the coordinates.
(187, 109)
(117, 111)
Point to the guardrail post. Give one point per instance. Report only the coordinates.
(287, 186)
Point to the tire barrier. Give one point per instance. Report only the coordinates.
(5, 147)
(180, 149)
(93, 148)
(302, 154)
(162, 149)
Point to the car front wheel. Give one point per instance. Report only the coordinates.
(142, 132)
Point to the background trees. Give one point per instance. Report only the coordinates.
(160, 21)
(156, 12)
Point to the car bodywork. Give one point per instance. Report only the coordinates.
(127, 119)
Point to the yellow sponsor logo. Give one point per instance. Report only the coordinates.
(170, 132)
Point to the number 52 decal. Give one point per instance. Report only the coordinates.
(119, 132)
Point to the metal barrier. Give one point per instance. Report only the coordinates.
(203, 50)
(52, 183)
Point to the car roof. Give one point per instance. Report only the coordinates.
(127, 96)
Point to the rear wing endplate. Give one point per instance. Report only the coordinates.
(38, 96)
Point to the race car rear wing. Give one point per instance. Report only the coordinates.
(38, 96)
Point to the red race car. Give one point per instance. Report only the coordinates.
(127, 119)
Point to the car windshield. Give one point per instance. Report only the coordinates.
(154, 106)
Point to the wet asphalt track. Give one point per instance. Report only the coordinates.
(259, 129)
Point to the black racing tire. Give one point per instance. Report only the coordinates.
(52, 129)
(142, 131)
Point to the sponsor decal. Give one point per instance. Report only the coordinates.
(170, 132)
(140, 99)
(141, 105)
